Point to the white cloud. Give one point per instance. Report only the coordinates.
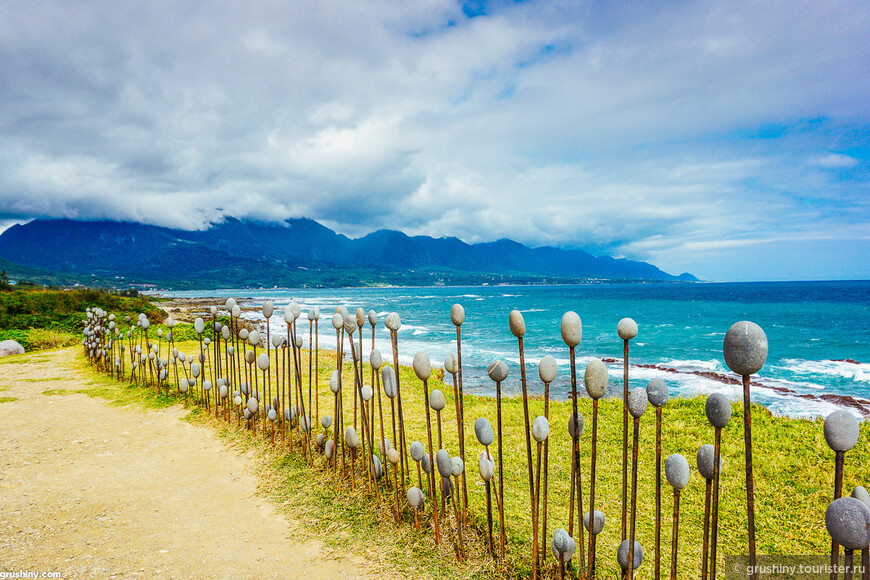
(652, 131)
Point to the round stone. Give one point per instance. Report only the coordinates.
(745, 348)
(360, 317)
(450, 363)
(268, 309)
(704, 461)
(516, 323)
(393, 322)
(598, 520)
(385, 446)
(437, 400)
(848, 522)
(622, 555)
(563, 545)
(457, 314)
(547, 369)
(596, 379)
(571, 328)
(657, 392)
(540, 429)
(483, 431)
(426, 463)
(458, 466)
(841, 430)
(388, 378)
(375, 359)
(367, 393)
(485, 466)
(415, 497)
(445, 463)
(393, 456)
(718, 409)
(337, 321)
(350, 324)
(326, 421)
(422, 366)
(637, 402)
(626, 329)
(578, 420)
(253, 405)
(497, 371)
(417, 451)
(376, 468)
(335, 382)
(677, 471)
(263, 361)
(351, 438)
(860, 493)
(328, 448)
(373, 318)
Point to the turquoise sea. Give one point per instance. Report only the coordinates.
(818, 332)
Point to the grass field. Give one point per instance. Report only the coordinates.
(794, 472)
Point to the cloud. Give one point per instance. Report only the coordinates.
(667, 132)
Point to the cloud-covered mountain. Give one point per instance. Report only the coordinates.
(298, 252)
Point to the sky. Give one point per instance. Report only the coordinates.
(726, 138)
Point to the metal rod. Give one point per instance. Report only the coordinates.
(432, 470)
(750, 479)
(625, 441)
(839, 459)
(714, 524)
(634, 452)
(658, 561)
(675, 535)
(592, 536)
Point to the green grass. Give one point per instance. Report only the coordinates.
(793, 478)
(8, 399)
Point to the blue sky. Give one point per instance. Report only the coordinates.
(729, 139)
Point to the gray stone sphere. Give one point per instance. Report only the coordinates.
(388, 378)
(637, 402)
(596, 379)
(483, 431)
(376, 468)
(253, 405)
(360, 316)
(626, 329)
(328, 448)
(658, 393)
(198, 325)
(415, 497)
(268, 309)
(393, 322)
(373, 318)
(351, 439)
(458, 466)
(485, 466)
(622, 555)
(337, 321)
(393, 456)
(497, 371)
(598, 519)
(326, 421)
(677, 471)
(367, 393)
(335, 382)
(745, 348)
(571, 328)
(457, 314)
(437, 400)
(848, 522)
(375, 359)
(517, 323)
(263, 361)
(422, 366)
(384, 446)
(578, 420)
(426, 463)
(444, 462)
(417, 451)
(860, 493)
(540, 429)
(350, 324)
(704, 461)
(841, 430)
(718, 410)
(563, 545)
(547, 369)
(450, 363)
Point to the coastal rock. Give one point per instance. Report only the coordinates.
(10, 347)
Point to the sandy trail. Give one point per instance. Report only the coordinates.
(96, 491)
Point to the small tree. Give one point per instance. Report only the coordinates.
(4, 281)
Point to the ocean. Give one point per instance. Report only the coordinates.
(818, 334)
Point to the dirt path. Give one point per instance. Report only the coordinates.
(96, 491)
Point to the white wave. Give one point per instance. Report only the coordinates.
(692, 365)
(856, 372)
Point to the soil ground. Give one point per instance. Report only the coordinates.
(93, 490)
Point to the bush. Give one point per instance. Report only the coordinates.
(40, 338)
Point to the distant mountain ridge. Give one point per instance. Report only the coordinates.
(298, 252)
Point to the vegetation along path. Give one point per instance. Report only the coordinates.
(93, 490)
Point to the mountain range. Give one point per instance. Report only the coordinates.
(297, 253)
